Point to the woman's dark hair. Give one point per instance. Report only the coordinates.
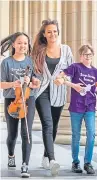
(39, 47)
(8, 41)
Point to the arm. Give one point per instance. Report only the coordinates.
(77, 86)
(7, 85)
(63, 80)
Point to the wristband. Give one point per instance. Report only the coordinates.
(65, 78)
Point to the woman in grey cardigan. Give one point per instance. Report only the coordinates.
(50, 57)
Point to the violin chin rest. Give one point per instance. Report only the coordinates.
(14, 115)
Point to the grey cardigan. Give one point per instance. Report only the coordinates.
(57, 93)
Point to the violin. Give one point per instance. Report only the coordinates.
(18, 108)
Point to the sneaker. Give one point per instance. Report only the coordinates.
(45, 163)
(76, 168)
(89, 168)
(11, 162)
(24, 171)
(54, 167)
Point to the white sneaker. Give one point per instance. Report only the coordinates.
(54, 167)
(45, 162)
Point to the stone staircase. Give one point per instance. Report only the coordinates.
(64, 128)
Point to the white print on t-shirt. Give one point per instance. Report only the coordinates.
(86, 77)
(87, 88)
(18, 71)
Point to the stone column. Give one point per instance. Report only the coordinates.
(19, 16)
(4, 19)
(4, 31)
(41, 10)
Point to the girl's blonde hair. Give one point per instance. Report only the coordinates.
(84, 48)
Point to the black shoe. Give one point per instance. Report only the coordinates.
(89, 168)
(11, 162)
(76, 168)
(24, 171)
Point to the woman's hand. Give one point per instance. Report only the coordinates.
(35, 83)
(59, 81)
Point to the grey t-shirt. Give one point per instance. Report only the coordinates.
(11, 70)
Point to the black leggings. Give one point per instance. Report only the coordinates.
(12, 127)
(49, 117)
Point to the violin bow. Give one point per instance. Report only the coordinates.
(27, 70)
(24, 107)
(25, 115)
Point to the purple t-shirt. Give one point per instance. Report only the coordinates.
(85, 100)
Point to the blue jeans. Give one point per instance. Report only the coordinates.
(76, 122)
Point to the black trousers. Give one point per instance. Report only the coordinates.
(12, 127)
(49, 117)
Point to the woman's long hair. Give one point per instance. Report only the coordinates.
(39, 46)
(7, 42)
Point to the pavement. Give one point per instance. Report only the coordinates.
(62, 154)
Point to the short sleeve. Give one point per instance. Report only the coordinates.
(70, 71)
(96, 75)
(4, 76)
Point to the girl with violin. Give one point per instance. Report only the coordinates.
(17, 77)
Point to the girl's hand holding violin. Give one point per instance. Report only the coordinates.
(26, 79)
(16, 84)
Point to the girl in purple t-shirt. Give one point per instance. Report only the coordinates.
(82, 105)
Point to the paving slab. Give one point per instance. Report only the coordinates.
(62, 154)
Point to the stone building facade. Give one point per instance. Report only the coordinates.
(78, 25)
